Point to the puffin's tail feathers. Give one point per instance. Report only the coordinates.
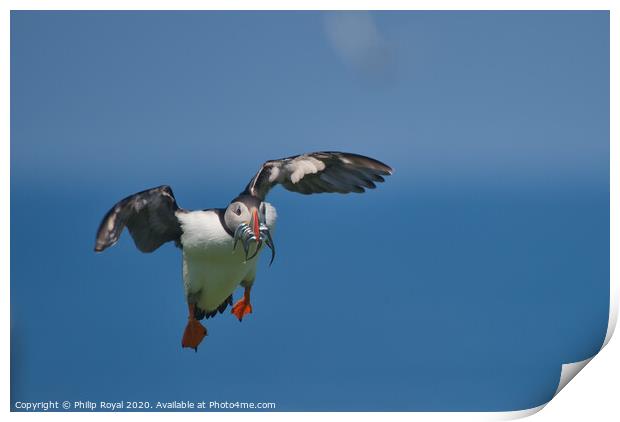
(201, 313)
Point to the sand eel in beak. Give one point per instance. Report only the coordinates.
(254, 231)
(221, 246)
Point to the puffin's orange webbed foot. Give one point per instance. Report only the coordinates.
(243, 306)
(241, 309)
(194, 332)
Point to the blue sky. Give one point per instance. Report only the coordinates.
(460, 284)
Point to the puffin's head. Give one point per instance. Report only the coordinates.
(245, 216)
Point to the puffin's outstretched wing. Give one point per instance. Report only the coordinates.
(319, 172)
(149, 216)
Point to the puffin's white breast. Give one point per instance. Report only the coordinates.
(211, 269)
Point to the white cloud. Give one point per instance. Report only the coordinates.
(357, 40)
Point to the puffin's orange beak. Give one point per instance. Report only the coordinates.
(255, 223)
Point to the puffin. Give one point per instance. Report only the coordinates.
(221, 246)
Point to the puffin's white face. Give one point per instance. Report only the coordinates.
(236, 213)
(248, 224)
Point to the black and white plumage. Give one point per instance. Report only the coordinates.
(150, 217)
(319, 172)
(213, 264)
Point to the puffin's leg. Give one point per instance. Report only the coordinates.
(243, 306)
(194, 330)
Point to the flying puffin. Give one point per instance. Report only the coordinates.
(221, 246)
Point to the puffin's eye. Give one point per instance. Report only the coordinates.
(238, 211)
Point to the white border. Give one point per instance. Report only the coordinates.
(568, 370)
